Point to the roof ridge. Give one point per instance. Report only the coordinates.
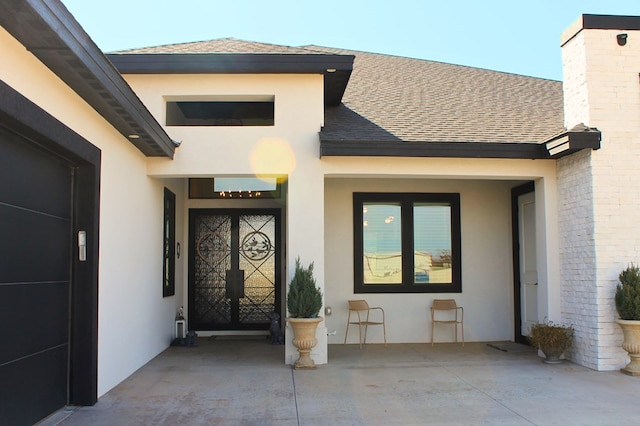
(213, 40)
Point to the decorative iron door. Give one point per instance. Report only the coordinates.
(234, 268)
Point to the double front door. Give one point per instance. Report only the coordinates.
(234, 268)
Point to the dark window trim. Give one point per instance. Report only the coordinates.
(169, 245)
(407, 201)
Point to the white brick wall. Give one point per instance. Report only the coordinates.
(577, 255)
(600, 237)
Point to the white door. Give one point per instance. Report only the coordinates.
(528, 259)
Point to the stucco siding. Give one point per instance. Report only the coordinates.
(487, 283)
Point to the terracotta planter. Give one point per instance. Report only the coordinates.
(304, 339)
(631, 344)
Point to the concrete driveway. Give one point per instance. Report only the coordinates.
(228, 381)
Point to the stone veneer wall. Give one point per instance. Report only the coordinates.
(601, 90)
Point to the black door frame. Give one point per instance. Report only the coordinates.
(515, 235)
(21, 116)
(279, 252)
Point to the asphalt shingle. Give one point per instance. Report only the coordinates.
(392, 98)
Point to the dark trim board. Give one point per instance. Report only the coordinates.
(21, 116)
(335, 68)
(431, 149)
(610, 22)
(565, 144)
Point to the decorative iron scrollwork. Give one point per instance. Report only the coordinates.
(256, 245)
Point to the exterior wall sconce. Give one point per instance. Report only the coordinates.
(327, 311)
(622, 39)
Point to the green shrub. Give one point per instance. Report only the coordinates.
(304, 299)
(628, 293)
(549, 335)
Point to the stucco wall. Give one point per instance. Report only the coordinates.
(135, 323)
(289, 148)
(487, 283)
(601, 80)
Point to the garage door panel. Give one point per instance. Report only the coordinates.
(38, 248)
(27, 398)
(38, 317)
(23, 166)
(35, 264)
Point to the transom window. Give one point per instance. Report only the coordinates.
(221, 113)
(406, 243)
(246, 188)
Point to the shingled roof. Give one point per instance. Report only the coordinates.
(418, 100)
(391, 99)
(221, 45)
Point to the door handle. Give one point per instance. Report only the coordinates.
(82, 246)
(234, 284)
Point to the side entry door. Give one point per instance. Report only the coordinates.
(528, 262)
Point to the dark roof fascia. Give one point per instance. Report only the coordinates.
(49, 31)
(557, 147)
(432, 149)
(335, 68)
(610, 22)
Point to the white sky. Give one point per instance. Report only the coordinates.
(516, 36)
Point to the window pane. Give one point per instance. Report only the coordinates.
(432, 243)
(382, 243)
(220, 113)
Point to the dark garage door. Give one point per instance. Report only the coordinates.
(35, 250)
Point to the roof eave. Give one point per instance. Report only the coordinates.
(432, 149)
(49, 31)
(335, 68)
(572, 141)
(556, 147)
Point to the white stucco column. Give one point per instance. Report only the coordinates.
(305, 239)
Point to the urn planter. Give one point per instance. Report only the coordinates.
(631, 344)
(304, 339)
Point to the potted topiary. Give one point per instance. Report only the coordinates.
(628, 307)
(304, 301)
(552, 339)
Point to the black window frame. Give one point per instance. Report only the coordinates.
(407, 201)
(169, 244)
(215, 113)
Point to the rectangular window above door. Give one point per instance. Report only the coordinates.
(221, 113)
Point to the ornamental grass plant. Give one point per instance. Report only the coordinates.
(549, 336)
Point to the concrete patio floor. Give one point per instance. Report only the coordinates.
(227, 381)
